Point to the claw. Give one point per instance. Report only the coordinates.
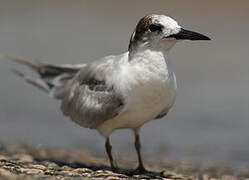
(141, 170)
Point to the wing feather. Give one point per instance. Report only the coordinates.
(90, 101)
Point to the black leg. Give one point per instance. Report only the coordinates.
(140, 168)
(108, 149)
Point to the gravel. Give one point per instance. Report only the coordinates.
(25, 162)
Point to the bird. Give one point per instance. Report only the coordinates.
(119, 91)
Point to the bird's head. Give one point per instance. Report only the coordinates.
(160, 32)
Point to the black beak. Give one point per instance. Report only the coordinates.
(189, 35)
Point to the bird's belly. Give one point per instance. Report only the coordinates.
(148, 102)
(144, 103)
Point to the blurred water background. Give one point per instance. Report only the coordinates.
(210, 119)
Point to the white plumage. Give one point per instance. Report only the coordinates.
(123, 91)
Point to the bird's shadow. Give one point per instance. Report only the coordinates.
(127, 172)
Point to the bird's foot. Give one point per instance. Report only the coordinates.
(141, 170)
(114, 165)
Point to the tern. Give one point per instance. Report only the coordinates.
(118, 91)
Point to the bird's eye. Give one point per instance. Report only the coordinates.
(154, 27)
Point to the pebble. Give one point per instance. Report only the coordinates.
(112, 178)
(38, 166)
(83, 170)
(226, 177)
(34, 171)
(7, 174)
(16, 166)
(30, 171)
(68, 173)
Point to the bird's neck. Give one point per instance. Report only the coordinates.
(148, 54)
(154, 60)
(150, 50)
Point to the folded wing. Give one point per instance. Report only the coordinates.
(90, 100)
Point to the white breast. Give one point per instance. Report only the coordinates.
(148, 87)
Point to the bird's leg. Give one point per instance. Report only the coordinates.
(140, 168)
(108, 149)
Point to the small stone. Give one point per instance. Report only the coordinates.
(108, 172)
(50, 165)
(226, 177)
(178, 176)
(30, 171)
(68, 173)
(34, 171)
(7, 174)
(66, 168)
(86, 175)
(38, 166)
(99, 171)
(23, 170)
(83, 170)
(49, 172)
(113, 178)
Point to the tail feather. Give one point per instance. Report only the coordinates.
(32, 64)
(53, 78)
(37, 82)
(46, 69)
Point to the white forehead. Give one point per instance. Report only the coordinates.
(165, 21)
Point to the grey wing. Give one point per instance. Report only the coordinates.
(90, 101)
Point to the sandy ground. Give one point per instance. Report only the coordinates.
(25, 162)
